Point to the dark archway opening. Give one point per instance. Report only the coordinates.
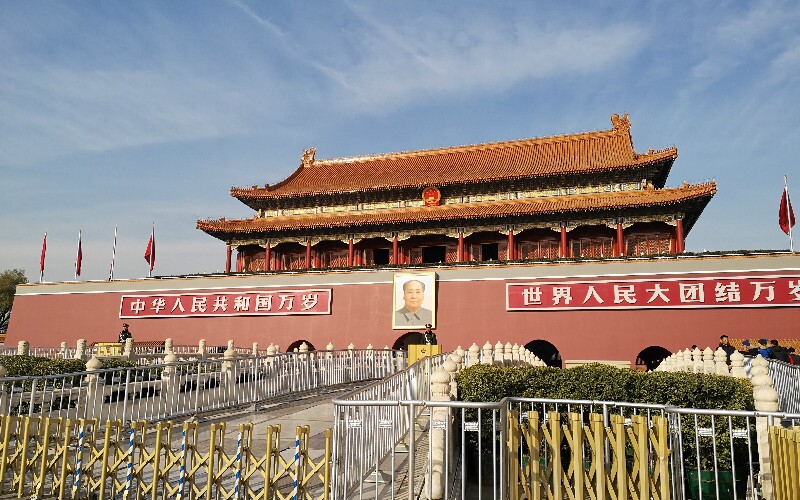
(402, 342)
(434, 254)
(652, 356)
(545, 351)
(296, 345)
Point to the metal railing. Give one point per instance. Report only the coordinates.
(65, 458)
(380, 454)
(375, 411)
(164, 391)
(786, 379)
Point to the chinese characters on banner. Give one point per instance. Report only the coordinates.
(239, 303)
(762, 291)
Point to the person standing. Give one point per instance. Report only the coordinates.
(428, 337)
(125, 334)
(763, 348)
(778, 352)
(725, 345)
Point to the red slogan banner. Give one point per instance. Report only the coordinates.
(240, 303)
(760, 291)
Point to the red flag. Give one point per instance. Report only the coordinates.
(150, 253)
(41, 259)
(79, 257)
(786, 214)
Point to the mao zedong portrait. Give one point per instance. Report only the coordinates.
(412, 313)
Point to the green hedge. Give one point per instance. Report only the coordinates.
(21, 366)
(605, 383)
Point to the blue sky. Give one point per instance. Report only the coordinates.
(129, 113)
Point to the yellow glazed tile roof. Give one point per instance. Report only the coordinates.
(603, 150)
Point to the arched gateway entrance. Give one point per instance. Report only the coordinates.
(545, 351)
(652, 356)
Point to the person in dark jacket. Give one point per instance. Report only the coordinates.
(778, 352)
(725, 345)
(748, 351)
(793, 358)
(125, 334)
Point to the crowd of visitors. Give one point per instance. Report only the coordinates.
(770, 349)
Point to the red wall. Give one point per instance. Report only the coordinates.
(468, 311)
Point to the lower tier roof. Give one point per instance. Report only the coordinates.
(555, 205)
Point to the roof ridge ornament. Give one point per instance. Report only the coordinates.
(308, 156)
(621, 122)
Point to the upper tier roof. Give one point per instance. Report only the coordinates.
(535, 206)
(599, 151)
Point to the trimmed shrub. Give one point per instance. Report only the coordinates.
(599, 382)
(605, 383)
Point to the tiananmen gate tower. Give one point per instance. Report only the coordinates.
(570, 245)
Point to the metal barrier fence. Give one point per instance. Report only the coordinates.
(709, 453)
(786, 378)
(381, 423)
(69, 458)
(785, 447)
(164, 391)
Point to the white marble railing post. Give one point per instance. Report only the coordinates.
(474, 355)
(170, 389)
(229, 371)
(63, 352)
(127, 350)
(168, 346)
(708, 361)
(202, 350)
(458, 360)
(254, 351)
(721, 362)
(515, 359)
(462, 353)
(94, 390)
(80, 350)
(440, 391)
(3, 393)
(352, 356)
(697, 360)
(508, 356)
(23, 348)
(766, 399)
(498, 353)
(451, 367)
(737, 365)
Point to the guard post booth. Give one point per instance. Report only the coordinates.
(419, 351)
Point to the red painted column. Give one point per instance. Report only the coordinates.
(239, 261)
(460, 251)
(268, 257)
(228, 259)
(564, 250)
(308, 254)
(679, 236)
(350, 252)
(511, 252)
(620, 241)
(394, 249)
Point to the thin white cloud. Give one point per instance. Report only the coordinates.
(404, 60)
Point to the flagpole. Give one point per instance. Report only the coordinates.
(152, 250)
(789, 214)
(78, 254)
(113, 254)
(41, 258)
